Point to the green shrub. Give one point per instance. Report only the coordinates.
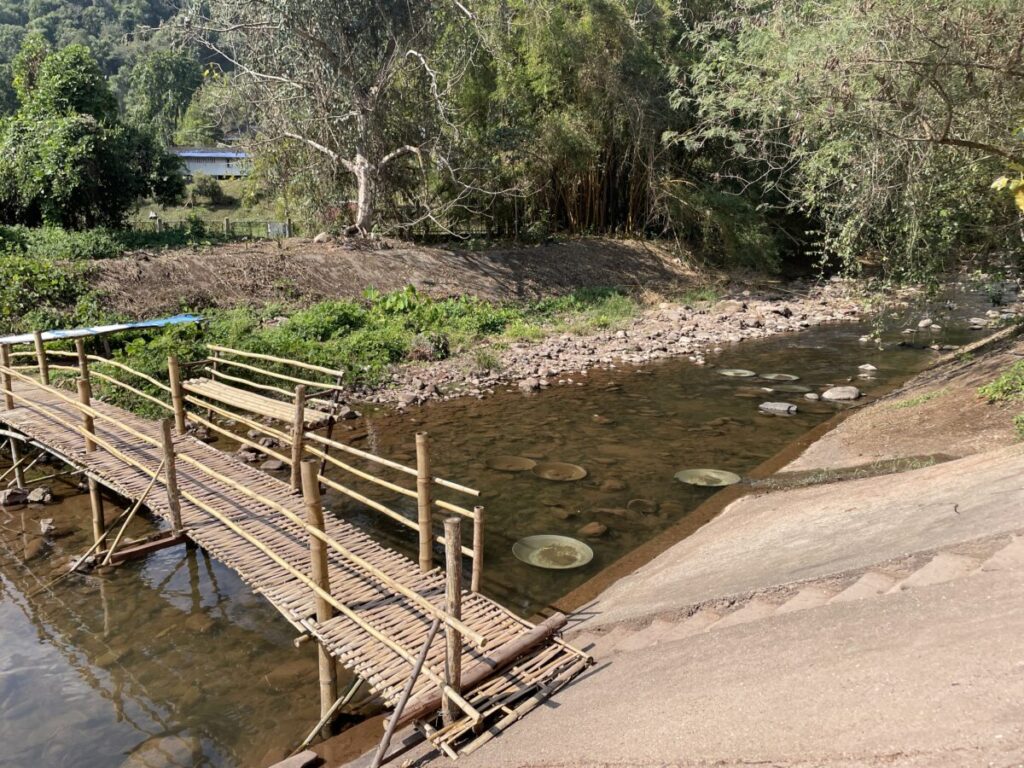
(1008, 386)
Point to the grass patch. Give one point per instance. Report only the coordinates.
(1008, 387)
(913, 402)
(703, 293)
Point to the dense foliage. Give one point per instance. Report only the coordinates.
(66, 157)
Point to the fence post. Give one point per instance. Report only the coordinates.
(298, 427)
(177, 396)
(478, 549)
(5, 361)
(227, 227)
(95, 497)
(288, 227)
(423, 501)
(44, 366)
(321, 577)
(171, 475)
(158, 224)
(453, 607)
(83, 360)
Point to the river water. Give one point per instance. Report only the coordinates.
(171, 661)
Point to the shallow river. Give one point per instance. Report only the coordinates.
(172, 662)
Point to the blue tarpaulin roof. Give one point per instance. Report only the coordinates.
(99, 330)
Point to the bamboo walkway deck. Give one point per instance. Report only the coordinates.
(540, 671)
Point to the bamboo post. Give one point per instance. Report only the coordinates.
(298, 427)
(95, 497)
(453, 606)
(5, 361)
(158, 224)
(19, 471)
(227, 227)
(44, 366)
(478, 548)
(177, 396)
(171, 475)
(423, 501)
(320, 577)
(83, 359)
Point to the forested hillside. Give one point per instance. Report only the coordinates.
(847, 132)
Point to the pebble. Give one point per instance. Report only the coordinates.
(813, 396)
(866, 367)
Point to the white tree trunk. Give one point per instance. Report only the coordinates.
(366, 194)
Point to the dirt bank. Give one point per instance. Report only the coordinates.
(298, 271)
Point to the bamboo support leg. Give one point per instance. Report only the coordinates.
(171, 475)
(318, 563)
(19, 471)
(453, 606)
(478, 548)
(95, 497)
(423, 501)
(298, 427)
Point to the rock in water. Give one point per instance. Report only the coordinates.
(840, 393)
(867, 367)
(592, 530)
(813, 396)
(780, 408)
(40, 495)
(925, 323)
(272, 465)
(165, 752)
(12, 496)
(529, 385)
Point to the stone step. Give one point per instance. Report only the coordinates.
(691, 625)
(945, 566)
(810, 596)
(752, 611)
(1009, 558)
(872, 583)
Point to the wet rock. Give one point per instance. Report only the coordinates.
(642, 506)
(165, 752)
(272, 465)
(615, 511)
(594, 530)
(867, 368)
(10, 497)
(835, 394)
(612, 484)
(248, 454)
(925, 323)
(529, 385)
(268, 442)
(813, 396)
(347, 414)
(561, 513)
(780, 408)
(46, 526)
(40, 495)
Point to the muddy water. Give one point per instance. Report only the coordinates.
(172, 661)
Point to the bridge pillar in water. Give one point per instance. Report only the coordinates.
(424, 521)
(453, 607)
(95, 497)
(318, 565)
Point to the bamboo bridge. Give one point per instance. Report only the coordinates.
(368, 608)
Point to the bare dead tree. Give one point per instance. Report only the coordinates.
(364, 84)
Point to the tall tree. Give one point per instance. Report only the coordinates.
(885, 120)
(363, 84)
(161, 85)
(65, 156)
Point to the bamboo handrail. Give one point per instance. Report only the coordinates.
(477, 638)
(265, 387)
(241, 439)
(272, 359)
(386, 462)
(359, 473)
(264, 372)
(116, 364)
(127, 387)
(263, 428)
